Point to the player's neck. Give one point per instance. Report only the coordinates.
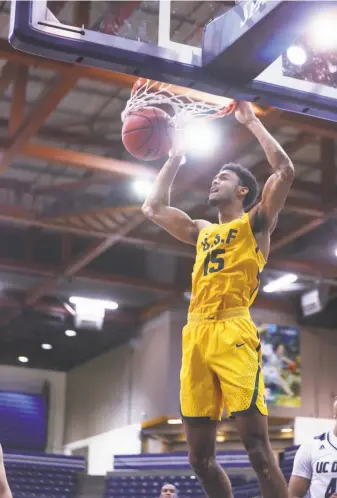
(230, 213)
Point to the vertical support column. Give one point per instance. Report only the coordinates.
(164, 23)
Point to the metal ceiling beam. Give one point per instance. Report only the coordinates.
(290, 147)
(328, 188)
(312, 268)
(82, 261)
(18, 101)
(6, 76)
(87, 161)
(37, 117)
(328, 169)
(305, 207)
(88, 276)
(285, 239)
(308, 124)
(60, 134)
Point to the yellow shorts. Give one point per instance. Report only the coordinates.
(221, 366)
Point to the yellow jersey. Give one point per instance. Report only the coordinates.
(227, 267)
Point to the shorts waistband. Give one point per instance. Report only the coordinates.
(219, 315)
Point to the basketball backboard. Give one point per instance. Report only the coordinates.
(232, 49)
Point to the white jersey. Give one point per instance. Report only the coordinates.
(317, 462)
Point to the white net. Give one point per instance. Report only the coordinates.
(184, 106)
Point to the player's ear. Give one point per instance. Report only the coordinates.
(242, 191)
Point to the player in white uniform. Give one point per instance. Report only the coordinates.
(315, 467)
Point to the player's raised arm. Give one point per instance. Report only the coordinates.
(5, 492)
(277, 187)
(157, 205)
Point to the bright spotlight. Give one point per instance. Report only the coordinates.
(324, 33)
(286, 430)
(93, 303)
(46, 346)
(142, 187)
(174, 421)
(70, 333)
(296, 55)
(280, 283)
(200, 137)
(336, 251)
(23, 359)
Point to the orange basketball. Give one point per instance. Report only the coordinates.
(148, 133)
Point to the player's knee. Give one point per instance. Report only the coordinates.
(259, 456)
(259, 460)
(201, 464)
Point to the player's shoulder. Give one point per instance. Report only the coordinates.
(201, 224)
(321, 437)
(314, 444)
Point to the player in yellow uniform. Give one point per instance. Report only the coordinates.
(221, 365)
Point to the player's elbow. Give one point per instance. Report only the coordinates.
(287, 171)
(150, 209)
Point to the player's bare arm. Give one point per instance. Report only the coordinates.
(274, 194)
(157, 205)
(298, 487)
(5, 492)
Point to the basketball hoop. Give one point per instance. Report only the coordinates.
(186, 104)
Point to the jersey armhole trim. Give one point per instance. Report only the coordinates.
(257, 249)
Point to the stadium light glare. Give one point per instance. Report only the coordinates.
(200, 137)
(323, 33)
(297, 55)
(89, 303)
(286, 430)
(70, 333)
(142, 187)
(220, 438)
(23, 359)
(174, 421)
(46, 346)
(280, 283)
(183, 159)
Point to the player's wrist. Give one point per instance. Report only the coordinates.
(177, 156)
(251, 122)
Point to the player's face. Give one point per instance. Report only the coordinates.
(168, 491)
(224, 188)
(280, 350)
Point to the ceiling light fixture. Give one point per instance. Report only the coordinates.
(23, 359)
(281, 283)
(70, 333)
(93, 303)
(286, 430)
(142, 188)
(296, 55)
(174, 421)
(46, 346)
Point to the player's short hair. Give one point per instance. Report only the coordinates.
(246, 179)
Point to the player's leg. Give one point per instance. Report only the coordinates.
(201, 441)
(253, 430)
(240, 373)
(201, 406)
